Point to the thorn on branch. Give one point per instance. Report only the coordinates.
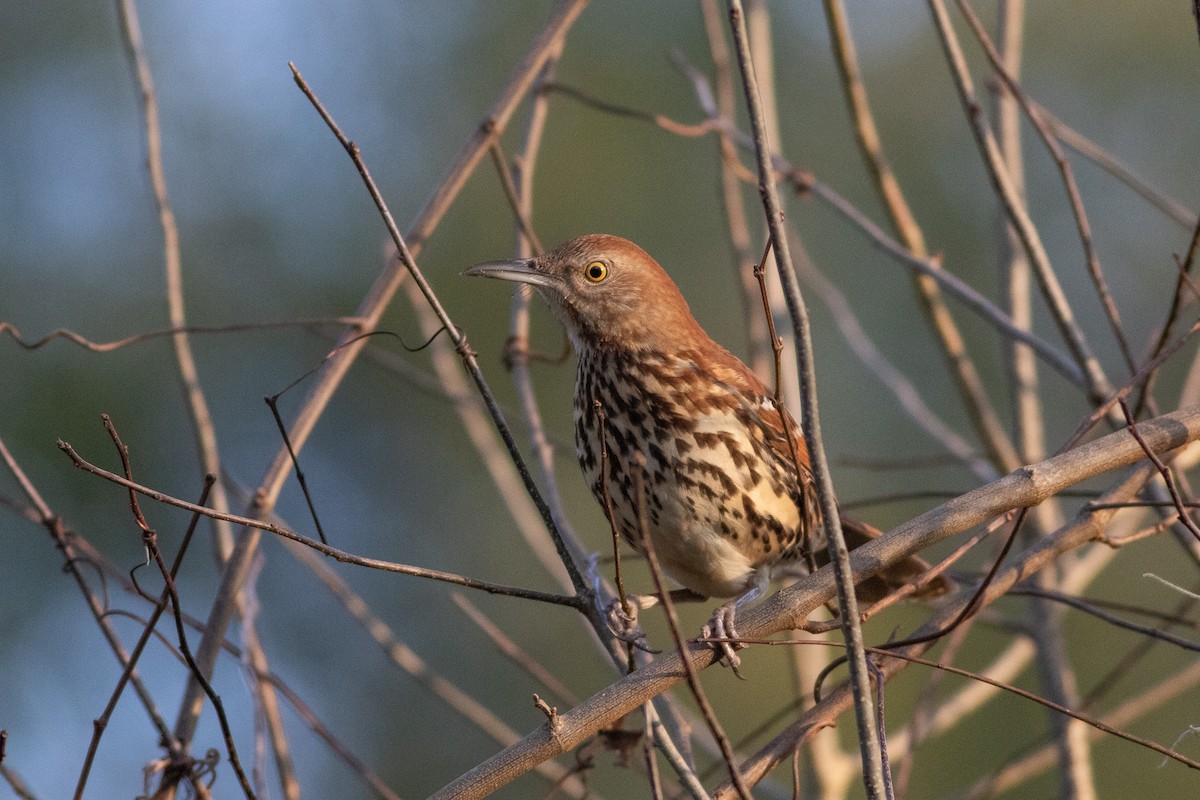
(550, 711)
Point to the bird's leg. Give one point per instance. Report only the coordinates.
(621, 618)
(722, 626)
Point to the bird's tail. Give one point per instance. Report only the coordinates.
(894, 576)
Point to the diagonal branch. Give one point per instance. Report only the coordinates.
(369, 312)
(1097, 384)
(978, 406)
(788, 610)
(332, 552)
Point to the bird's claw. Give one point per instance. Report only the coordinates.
(622, 621)
(620, 617)
(721, 628)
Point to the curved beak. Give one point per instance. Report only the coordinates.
(523, 270)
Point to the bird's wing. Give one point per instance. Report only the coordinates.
(782, 432)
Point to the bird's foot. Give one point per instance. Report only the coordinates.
(622, 620)
(722, 628)
(620, 617)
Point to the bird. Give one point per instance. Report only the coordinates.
(727, 497)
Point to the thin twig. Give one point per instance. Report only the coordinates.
(313, 323)
(1167, 476)
(681, 647)
(978, 406)
(1183, 278)
(1112, 619)
(101, 722)
(760, 277)
(1097, 384)
(272, 403)
(333, 552)
(606, 503)
(789, 435)
(150, 541)
(1068, 178)
(880, 709)
(838, 552)
(666, 123)
(514, 200)
(369, 313)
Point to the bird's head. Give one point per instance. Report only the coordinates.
(607, 291)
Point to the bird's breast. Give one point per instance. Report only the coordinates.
(689, 455)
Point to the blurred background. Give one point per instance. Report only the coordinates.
(275, 225)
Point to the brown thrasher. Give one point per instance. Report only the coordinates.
(728, 500)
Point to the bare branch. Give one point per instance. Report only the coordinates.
(369, 313)
(975, 398)
(1081, 351)
(332, 552)
(839, 555)
(790, 607)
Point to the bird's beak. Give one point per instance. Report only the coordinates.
(522, 270)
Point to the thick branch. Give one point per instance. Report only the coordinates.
(789, 608)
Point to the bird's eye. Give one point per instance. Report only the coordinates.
(596, 271)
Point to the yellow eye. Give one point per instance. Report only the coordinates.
(596, 271)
